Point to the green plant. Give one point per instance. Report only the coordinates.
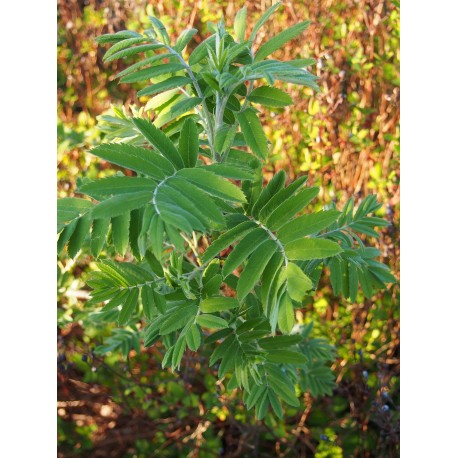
(197, 213)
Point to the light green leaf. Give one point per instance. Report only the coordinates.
(132, 51)
(129, 307)
(179, 107)
(115, 37)
(138, 159)
(160, 141)
(98, 235)
(71, 208)
(285, 211)
(151, 72)
(279, 40)
(273, 187)
(79, 235)
(240, 24)
(255, 267)
(170, 83)
(189, 143)
(143, 63)
(297, 282)
(305, 249)
(218, 304)
(209, 211)
(107, 187)
(252, 131)
(193, 337)
(229, 171)
(148, 302)
(160, 29)
(280, 197)
(306, 225)
(227, 239)
(117, 205)
(244, 248)
(270, 97)
(262, 20)
(211, 321)
(156, 235)
(122, 45)
(170, 199)
(213, 184)
(120, 232)
(286, 314)
(184, 38)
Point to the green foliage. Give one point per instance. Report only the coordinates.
(210, 252)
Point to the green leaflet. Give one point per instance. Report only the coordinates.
(286, 357)
(132, 51)
(209, 211)
(143, 63)
(306, 225)
(229, 171)
(177, 108)
(177, 318)
(281, 197)
(286, 314)
(65, 235)
(138, 159)
(122, 45)
(117, 205)
(270, 97)
(107, 187)
(255, 267)
(168, 198)
(213, 184)
(160, 141)
(278, 342)
(305, 249)
(79, 234)
(151, 72)
(211, 321)
(267, 282)
(163, 101)
(244, 248)
(262, 20)
(251, 128)
(70, 208)
(170, 83)
(189, 143)
(273, 187)
(129, 307)
(148, 302)
(218, 304)
(228, 238)
(184, 38)
(193, 337)
(156, 236)
(297, 282)
(285, 211)
(120, 232)
(160, 29)
(115, 37)
(240, 24)
(99, 233)
(178, 218)
(278, 41)
(212, 286)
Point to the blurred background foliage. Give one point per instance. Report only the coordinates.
(346, 139)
